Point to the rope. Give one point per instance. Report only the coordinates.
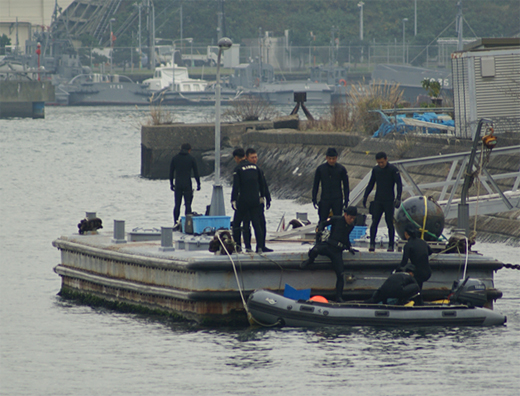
(466, 261)
(424, 217)
(249, 315)
(512, 266)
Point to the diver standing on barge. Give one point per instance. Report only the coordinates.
(181, 166)
(331, 175)
(247, 195)
(252, 156)
(386, 176)
(333, 246)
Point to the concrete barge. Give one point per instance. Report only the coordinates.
(201, 286)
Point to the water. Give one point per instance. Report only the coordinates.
(88, 159)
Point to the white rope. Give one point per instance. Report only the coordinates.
(467, 254)
(236, 274)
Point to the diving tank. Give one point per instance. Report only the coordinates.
(420, 209)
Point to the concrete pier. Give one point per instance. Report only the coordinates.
(25, 98)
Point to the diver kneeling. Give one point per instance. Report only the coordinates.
(399, 288)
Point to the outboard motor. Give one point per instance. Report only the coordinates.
(471, 292)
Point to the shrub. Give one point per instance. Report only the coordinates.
(250, 108)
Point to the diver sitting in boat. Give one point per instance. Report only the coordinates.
(333, 246)
(398, 289)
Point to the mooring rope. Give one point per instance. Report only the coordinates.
(250, 318)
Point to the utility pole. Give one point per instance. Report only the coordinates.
(415, 20)
(459, 22)
(404, 41)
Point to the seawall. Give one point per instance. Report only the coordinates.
(25, 98)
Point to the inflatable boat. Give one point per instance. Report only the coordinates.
(270, 309)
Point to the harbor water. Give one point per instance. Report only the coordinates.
(79, 160)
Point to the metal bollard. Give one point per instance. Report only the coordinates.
(166, 239)
(119, 231)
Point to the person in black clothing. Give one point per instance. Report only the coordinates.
(252, 156)
(181, 167)
(386, 176)
(247, 195)
(338, 240)
(400, 286)
(331, 175)
(417, 251)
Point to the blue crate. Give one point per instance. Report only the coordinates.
(213, 223)
(357, 232)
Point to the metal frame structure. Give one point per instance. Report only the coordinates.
(495, 199)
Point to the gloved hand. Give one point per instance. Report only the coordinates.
(234, 205)
(262, 200)
(353, 251)
(172, 187)
(268, 204)
(364, 203)
(315, 204)
(397, 203)
(198, 187)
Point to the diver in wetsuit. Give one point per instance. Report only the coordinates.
(341, 227)
(252, 156)
(247, 195)
(331, 175)
(400, 286)
(417, 251)
(181, 167)
(386, 176)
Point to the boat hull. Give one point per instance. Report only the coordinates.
(269, 309)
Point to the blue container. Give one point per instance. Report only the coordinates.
(357, 232)
(207, 223)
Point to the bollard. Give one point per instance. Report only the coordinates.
(119, 231)
(90, 215)
(166, 239)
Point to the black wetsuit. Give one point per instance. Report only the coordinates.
(400, 286)
(181, 166)
(333, 248)
(417, 251)
(246, 229)
(385, 178)
(331, 178)
(248, 187)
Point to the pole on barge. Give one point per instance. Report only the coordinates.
(217, 199)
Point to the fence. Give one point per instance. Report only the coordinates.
(288, 58)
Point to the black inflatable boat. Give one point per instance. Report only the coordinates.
(271, 309)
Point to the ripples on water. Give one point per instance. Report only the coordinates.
(88, 159)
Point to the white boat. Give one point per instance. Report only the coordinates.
(174, 78)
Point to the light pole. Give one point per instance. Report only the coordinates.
(111, 44)
(217, 199)
(404, 45)
(360, 5)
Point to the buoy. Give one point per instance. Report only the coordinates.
(343, 82)
(422, 212)
(319, 299)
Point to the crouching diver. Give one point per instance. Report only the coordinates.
(341, 227)
(400, 287)
(417, 251)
